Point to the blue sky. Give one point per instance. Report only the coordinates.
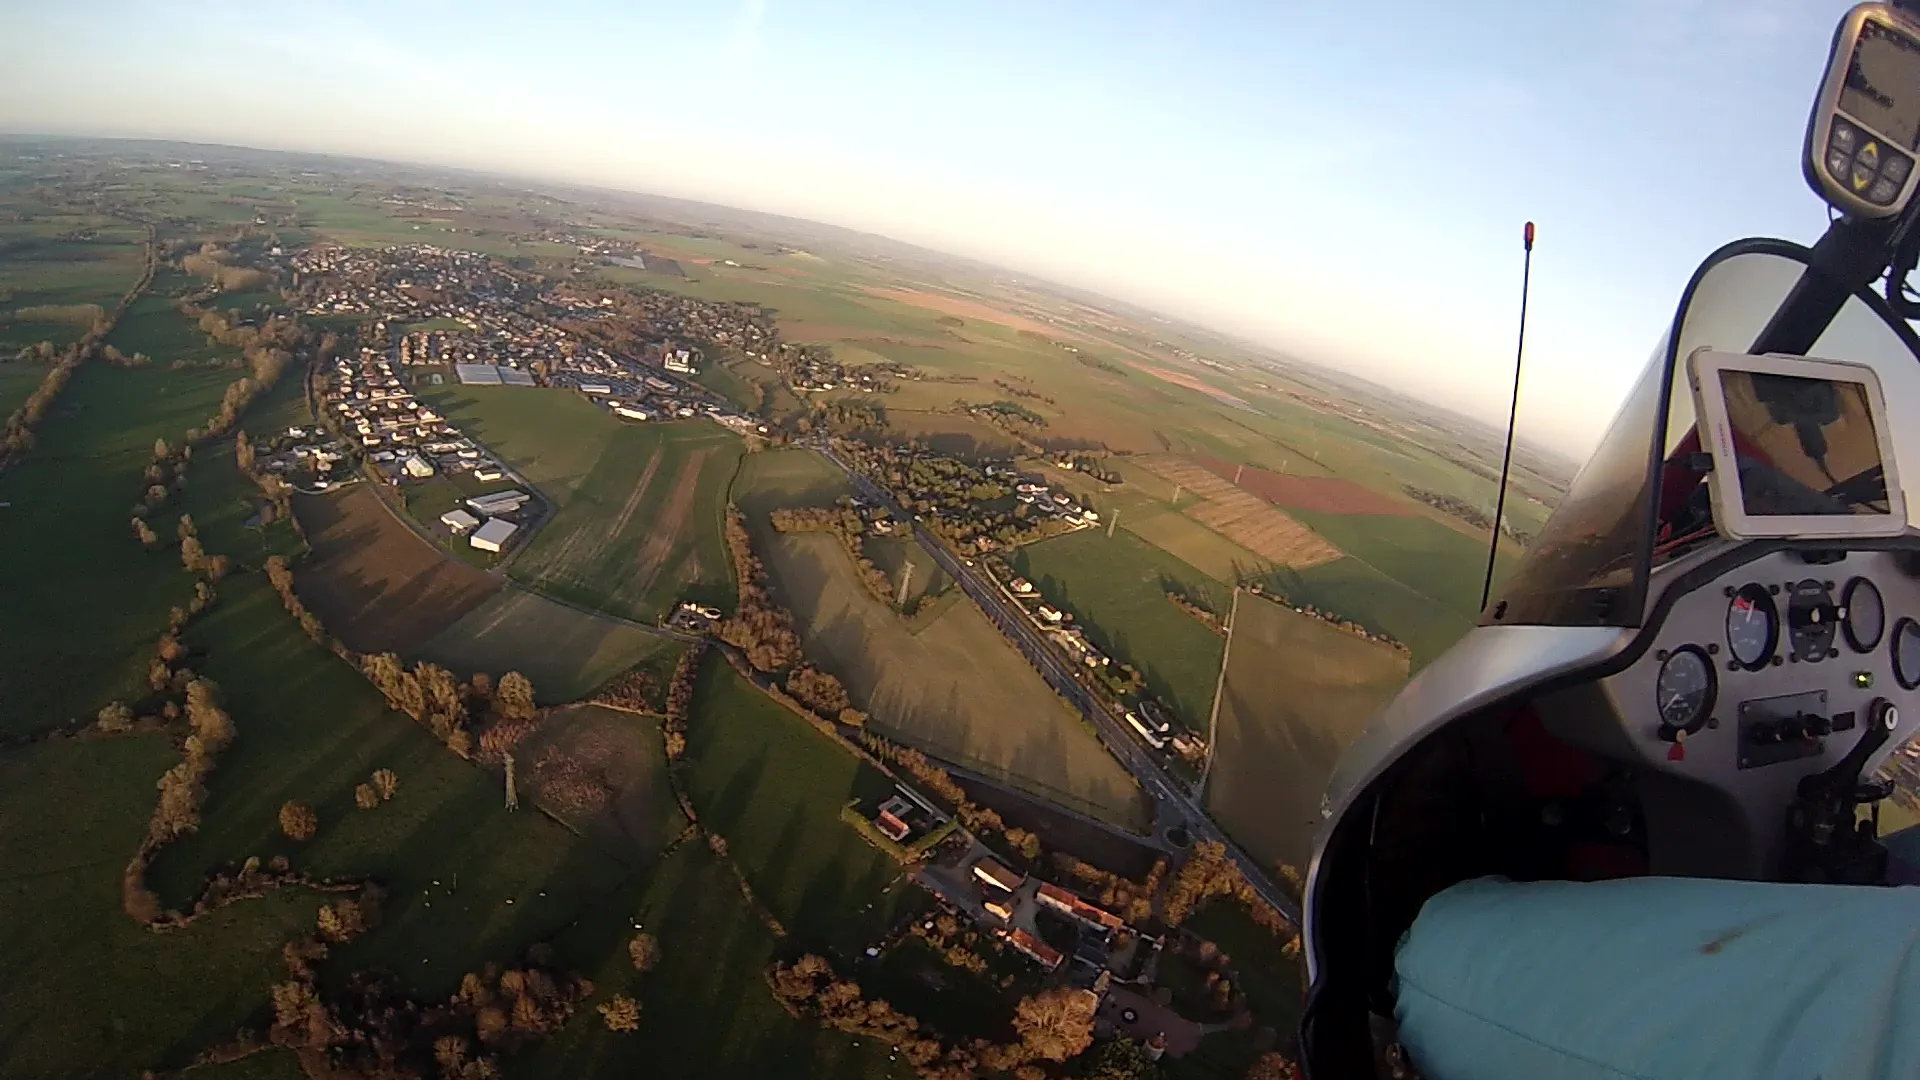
(1343, 180)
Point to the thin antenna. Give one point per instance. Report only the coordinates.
(1513, 412)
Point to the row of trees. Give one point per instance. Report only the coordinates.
(1206, 617)
(183, 788)
(1131, 899)
(1209, 873)
(845, 523)
(680, 700)
(17, 437)
(758, 627)
(1052, 1026)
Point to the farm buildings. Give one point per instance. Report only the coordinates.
(493, 536)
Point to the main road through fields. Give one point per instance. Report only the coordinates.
(1173, 805)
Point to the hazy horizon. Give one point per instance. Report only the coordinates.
(1203, 167)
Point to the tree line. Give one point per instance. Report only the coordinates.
(846, 525)
(1050, 1028)
(17, 436)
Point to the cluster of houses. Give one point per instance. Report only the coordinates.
(1014, 904)
(1053, 622)
(399, 435)
(1056, 503)
(304, 456)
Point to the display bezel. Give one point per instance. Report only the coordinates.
(1836, 190)
(1730, 515)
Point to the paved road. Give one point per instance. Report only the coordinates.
(1173, 805)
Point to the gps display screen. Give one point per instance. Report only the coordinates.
(1882, 89)
(1805, 446)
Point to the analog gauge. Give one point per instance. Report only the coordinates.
(1685, 688)
(1864, 615)
(1812, 620)
(1753, 626)
(1906, 653)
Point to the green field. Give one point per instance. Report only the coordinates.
(773, 786)
(706, 1011)
(552, 437)
(565, 652)
(152, 326)
(1116, 590)
(1441, 563)
(1196, 545)
(1359, 592)
(637, 508)
(82, 597)
(770, 480)
(40, 266)
(17, 383)
(84, 990)
(952, 686)
(1296, 693)
(642, 530)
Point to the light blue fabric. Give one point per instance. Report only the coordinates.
(1662, 979)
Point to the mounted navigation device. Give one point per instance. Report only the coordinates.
(1865, 128)
(1800, 448)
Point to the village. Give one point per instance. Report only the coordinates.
(433, 314)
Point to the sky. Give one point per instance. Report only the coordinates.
(1343, 181)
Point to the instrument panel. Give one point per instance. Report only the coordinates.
(1758, 678)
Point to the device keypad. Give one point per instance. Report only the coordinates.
(1875, 171)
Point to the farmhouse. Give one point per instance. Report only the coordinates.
(1066, 903)
(1046, 955)
(998, 876)
(1050, 613)
(458, 520)
(1022, 586)
(493, 535)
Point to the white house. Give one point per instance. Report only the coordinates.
(418, 467)
(493, 535)
(1050, 613)
(632, 413)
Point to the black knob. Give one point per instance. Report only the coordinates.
(1816, 725)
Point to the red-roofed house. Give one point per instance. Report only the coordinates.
(1068, 904)
(1046, 955)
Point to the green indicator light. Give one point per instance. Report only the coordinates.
(1863, 679)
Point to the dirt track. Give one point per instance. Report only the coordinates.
(376, 585)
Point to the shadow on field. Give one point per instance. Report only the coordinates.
(373, 583)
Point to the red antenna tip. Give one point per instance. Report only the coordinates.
(1529, 236)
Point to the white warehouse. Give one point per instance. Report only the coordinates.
(493, 536)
